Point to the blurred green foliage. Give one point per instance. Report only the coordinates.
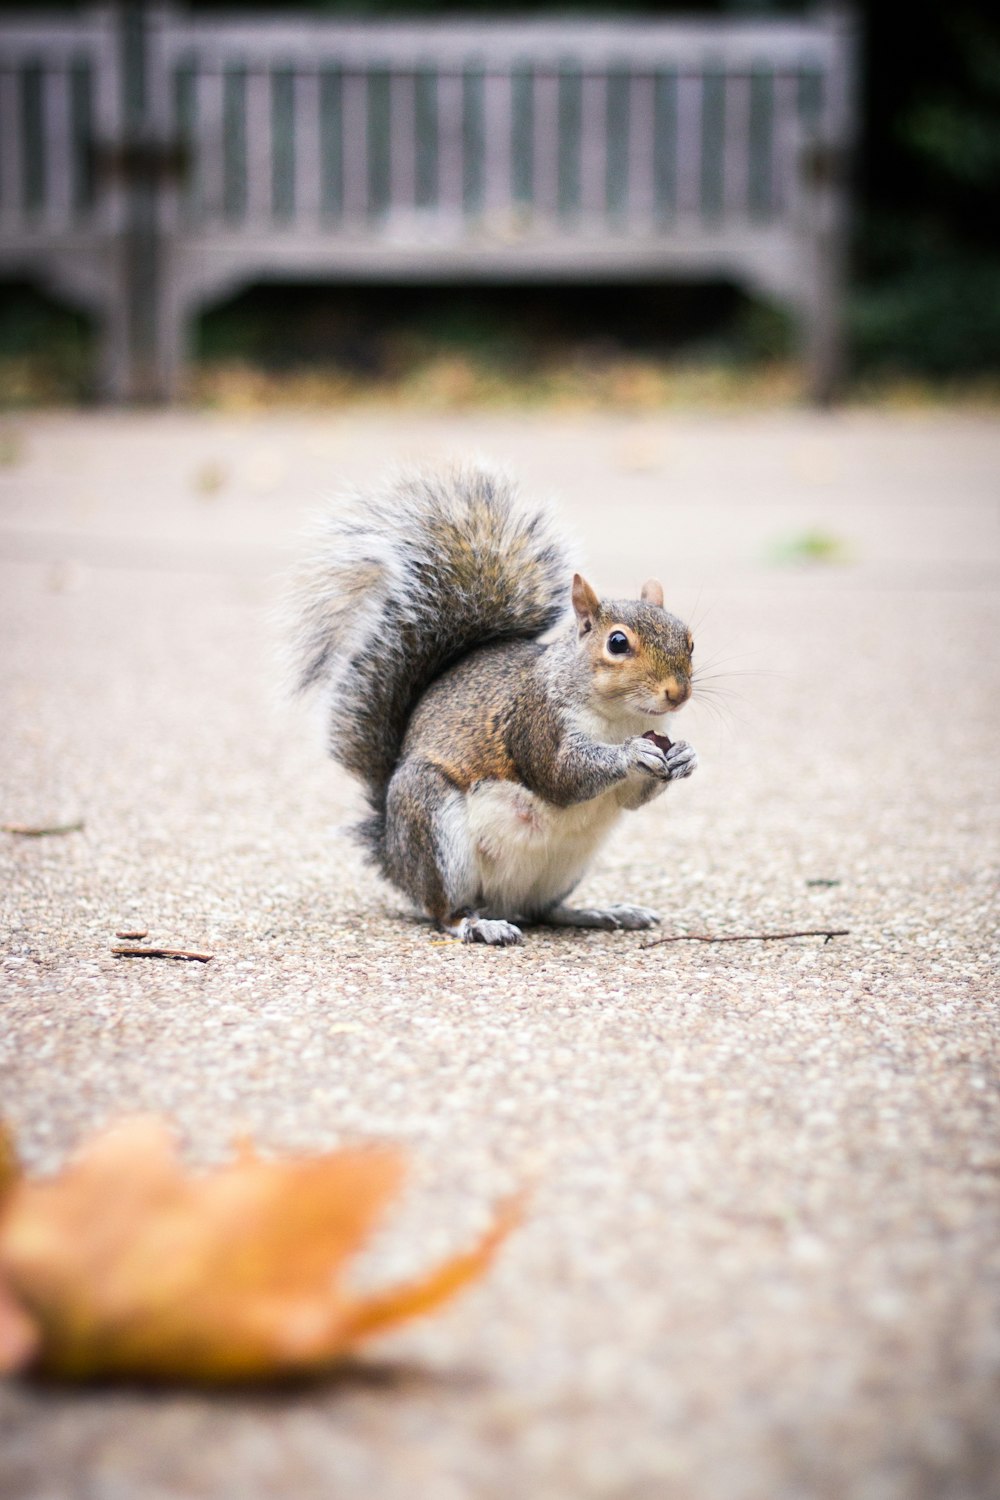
(811, 547)
(932, 309)
(927, 296)
(45, 348)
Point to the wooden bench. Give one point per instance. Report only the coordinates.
(153, 161)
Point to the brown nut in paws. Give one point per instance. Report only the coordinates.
(659, 740)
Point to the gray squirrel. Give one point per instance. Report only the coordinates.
(494, 762)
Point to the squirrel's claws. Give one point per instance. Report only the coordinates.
(668, 765)
(495, 932)
(649, 758)
(681, 759)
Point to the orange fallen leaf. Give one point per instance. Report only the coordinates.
(126, 1264)
(18, 1334)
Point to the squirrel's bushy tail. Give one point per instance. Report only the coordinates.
(400, 585)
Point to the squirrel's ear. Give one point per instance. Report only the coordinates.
(652, 593)
(585, 602)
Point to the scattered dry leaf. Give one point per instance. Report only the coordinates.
(32, 831)
(18, 1334)
(210, 479)
(186, 954)
(126, 1264)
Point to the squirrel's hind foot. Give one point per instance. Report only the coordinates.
(473, 929)
(608, 918)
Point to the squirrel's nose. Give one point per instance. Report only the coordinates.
(676, 692)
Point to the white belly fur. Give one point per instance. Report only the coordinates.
(528, 853)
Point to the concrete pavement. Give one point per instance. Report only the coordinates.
(762, 1257)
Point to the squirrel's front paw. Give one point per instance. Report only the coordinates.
(672, 764)
(681, 760)
(645, 756)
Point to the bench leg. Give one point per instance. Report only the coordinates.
(824, 342)
(144, 331)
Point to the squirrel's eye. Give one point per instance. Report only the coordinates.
(618, 643)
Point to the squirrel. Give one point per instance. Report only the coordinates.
(495, 762)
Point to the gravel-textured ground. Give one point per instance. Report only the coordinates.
(762, 1258)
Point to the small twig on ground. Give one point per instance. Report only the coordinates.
(201, 958)
(826, 933)
(27, 831)
(134, 935)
